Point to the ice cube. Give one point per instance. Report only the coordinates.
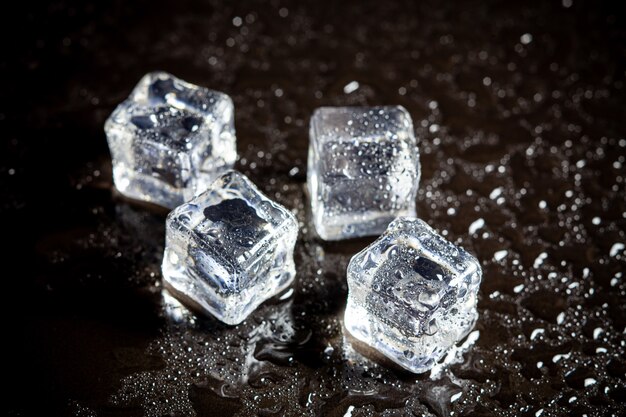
(363, 169)
(412, 294)
(170, 139)
(229, 249)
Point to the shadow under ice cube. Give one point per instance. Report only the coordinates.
(412, 294)
(363, 169)
(229, 249)
(170, 139)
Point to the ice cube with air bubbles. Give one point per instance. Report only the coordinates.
(412, 294)
(363, 169)
(229, 249)
(170, 139)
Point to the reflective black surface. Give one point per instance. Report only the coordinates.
(519, 110)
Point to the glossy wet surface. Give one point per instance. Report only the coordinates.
(520, 116)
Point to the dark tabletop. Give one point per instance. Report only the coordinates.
(519, 110)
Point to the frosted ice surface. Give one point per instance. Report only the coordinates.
(363, 169)
(229, 248)
(170, 139)
(412, 294)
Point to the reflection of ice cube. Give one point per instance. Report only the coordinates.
(176, 312)
(169, 139)
(412, 294)
(229, 249)
(363, 169)
(271, 337)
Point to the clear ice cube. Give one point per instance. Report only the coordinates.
(412, 294)
(229, 249)
(170, 139)
(363, 169)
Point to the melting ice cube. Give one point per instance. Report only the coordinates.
(363, 169)
(229, 249)
(412, 294)
(170, 139)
